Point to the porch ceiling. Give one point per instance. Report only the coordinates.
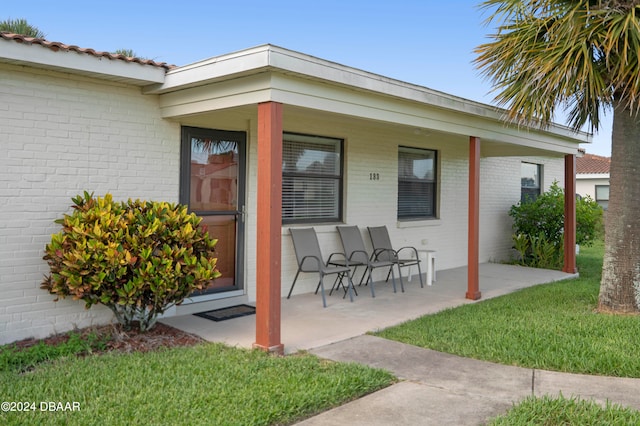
(238, 118)
(233, 85)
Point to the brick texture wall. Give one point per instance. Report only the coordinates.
(60, 136)
(373, 202)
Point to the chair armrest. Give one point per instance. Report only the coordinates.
(344, 256)
(318, 261)
(365, 256)
(376, 253)
(415, 251)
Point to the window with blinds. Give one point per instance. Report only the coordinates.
(311, 179)
(531, 179)
(602, 196)
(417, 183)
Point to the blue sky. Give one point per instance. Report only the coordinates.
(425, 42)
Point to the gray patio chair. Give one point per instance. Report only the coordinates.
(309, 257)
(357, 254)
(383, 250)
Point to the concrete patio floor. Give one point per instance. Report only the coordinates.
(307, 325)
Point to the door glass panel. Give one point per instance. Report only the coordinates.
(214, 175)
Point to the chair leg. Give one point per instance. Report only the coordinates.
(394, 280)
(364, 275)
(346, 289)
(321, 284)
(401, 280)
(373, 293)
(420, 275)
(351, 281)
(334, 284)
(294, 283)
(350, 288)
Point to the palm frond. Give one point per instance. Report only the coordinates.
(576, 55)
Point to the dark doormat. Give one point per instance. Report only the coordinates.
(227, 313)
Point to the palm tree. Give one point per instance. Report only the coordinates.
(21, 26)
(581, 55)
(126, 52)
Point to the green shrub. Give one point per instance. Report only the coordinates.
(539, 227)
(138, 258)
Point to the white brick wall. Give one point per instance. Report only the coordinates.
(371, 203)
(59, 137)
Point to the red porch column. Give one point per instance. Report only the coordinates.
(473, 262)
(269, 224)
(570, 214)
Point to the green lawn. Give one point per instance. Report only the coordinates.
(562, 411)
(205, 384)
(552, 327)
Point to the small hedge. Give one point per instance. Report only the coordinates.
(138, 258)
(539, 227)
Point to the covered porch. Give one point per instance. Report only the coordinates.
(307, 325)
(267, 91)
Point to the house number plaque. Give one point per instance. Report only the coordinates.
(374, 176)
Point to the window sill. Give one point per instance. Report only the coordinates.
(320, 228)
(418, 223)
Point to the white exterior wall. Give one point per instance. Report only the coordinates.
(586, 184)
(499, 190)
(374, 202)
(60, 136)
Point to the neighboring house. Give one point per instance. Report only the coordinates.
(592, 178)
(233, 135)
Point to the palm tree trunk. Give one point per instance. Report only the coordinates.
(620, 285)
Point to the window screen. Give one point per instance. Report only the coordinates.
(530, 181)
(416, 183)
(311, 179)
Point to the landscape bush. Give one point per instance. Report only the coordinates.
(138, 258)
(538, 226)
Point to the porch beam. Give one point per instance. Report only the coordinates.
(473, 262)
(570, 214)
(269, 224)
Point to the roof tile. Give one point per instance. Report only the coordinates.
(591, 163)
(58, 46)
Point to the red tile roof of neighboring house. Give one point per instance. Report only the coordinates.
(595, 164)
(56, 46)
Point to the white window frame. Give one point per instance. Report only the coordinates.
(604, 202)
(417, 194)
(530, 190)
(312, 189)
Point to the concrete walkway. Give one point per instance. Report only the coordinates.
(435, 388)
(443, 389)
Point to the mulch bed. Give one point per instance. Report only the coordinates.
(160, 336)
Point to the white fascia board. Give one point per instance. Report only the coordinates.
(315, 95)
(249, 90)
(306, 65)
(592, 176)
(79, 63)
(219, 68)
